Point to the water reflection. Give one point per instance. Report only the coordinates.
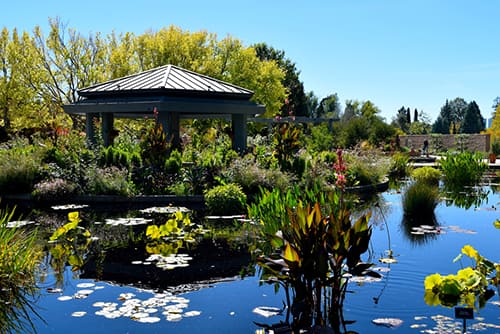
(420, 230)
(465, 198)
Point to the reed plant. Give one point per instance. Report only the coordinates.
(419, 201)
(19, 258)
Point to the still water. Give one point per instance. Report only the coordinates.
(227, 304)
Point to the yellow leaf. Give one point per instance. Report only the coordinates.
(431, 298)
(153, 232)
(470, 252)
(432, 281)
(290, 254)
(74, 216)
(497, 223)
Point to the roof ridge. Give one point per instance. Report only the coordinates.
(167, 74)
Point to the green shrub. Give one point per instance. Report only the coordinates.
(225, 200)
(113, 156)
(427, 174)
(251, 177)
(19, 169)
(419, 201)
(462, 169)
(400, 165)
(109, 181)
(174, 162)
(365, 167)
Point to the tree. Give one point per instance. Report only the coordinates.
(19, 102)
(297, 100)
(443, 121)
(329, 107)
(415, 115)
(458, 106)
(473, 121)
(494, 130)
(38, 73)
(312, 104)
(401, 120)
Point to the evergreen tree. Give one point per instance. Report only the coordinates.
(401, 120)
(297, 100)
(443, 122)
(329, 107)
(473, 121)
(415, 115)
(312, 104)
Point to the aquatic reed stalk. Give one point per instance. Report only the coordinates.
(19, 257)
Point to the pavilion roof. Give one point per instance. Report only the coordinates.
(167, 80)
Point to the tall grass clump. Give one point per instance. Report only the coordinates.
(19, 258)
(419, 202)
(463, 169)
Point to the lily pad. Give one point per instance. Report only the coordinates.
(388, 322)
(267, 311)
(388, 260)
(78, 314)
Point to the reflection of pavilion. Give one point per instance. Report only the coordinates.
(168, 93)
(213, 260)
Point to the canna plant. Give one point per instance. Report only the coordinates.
(312, 249)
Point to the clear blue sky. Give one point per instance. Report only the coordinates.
(415, 53)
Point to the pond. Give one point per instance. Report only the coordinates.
(119, 289)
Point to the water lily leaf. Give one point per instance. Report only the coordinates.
(388, 260)
(388, 322)
(267, 311)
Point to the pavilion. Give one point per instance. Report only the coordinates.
(169, 93)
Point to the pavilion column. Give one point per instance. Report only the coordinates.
(170, 122)
(239, 127)
(107, 129)
(90, 128)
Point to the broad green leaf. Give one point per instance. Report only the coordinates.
(451, 286)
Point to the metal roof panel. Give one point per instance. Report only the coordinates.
(168, 78)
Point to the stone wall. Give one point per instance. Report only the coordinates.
(472, 142)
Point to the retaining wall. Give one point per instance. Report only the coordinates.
(471, 142)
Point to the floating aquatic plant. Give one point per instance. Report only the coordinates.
(469, 286)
